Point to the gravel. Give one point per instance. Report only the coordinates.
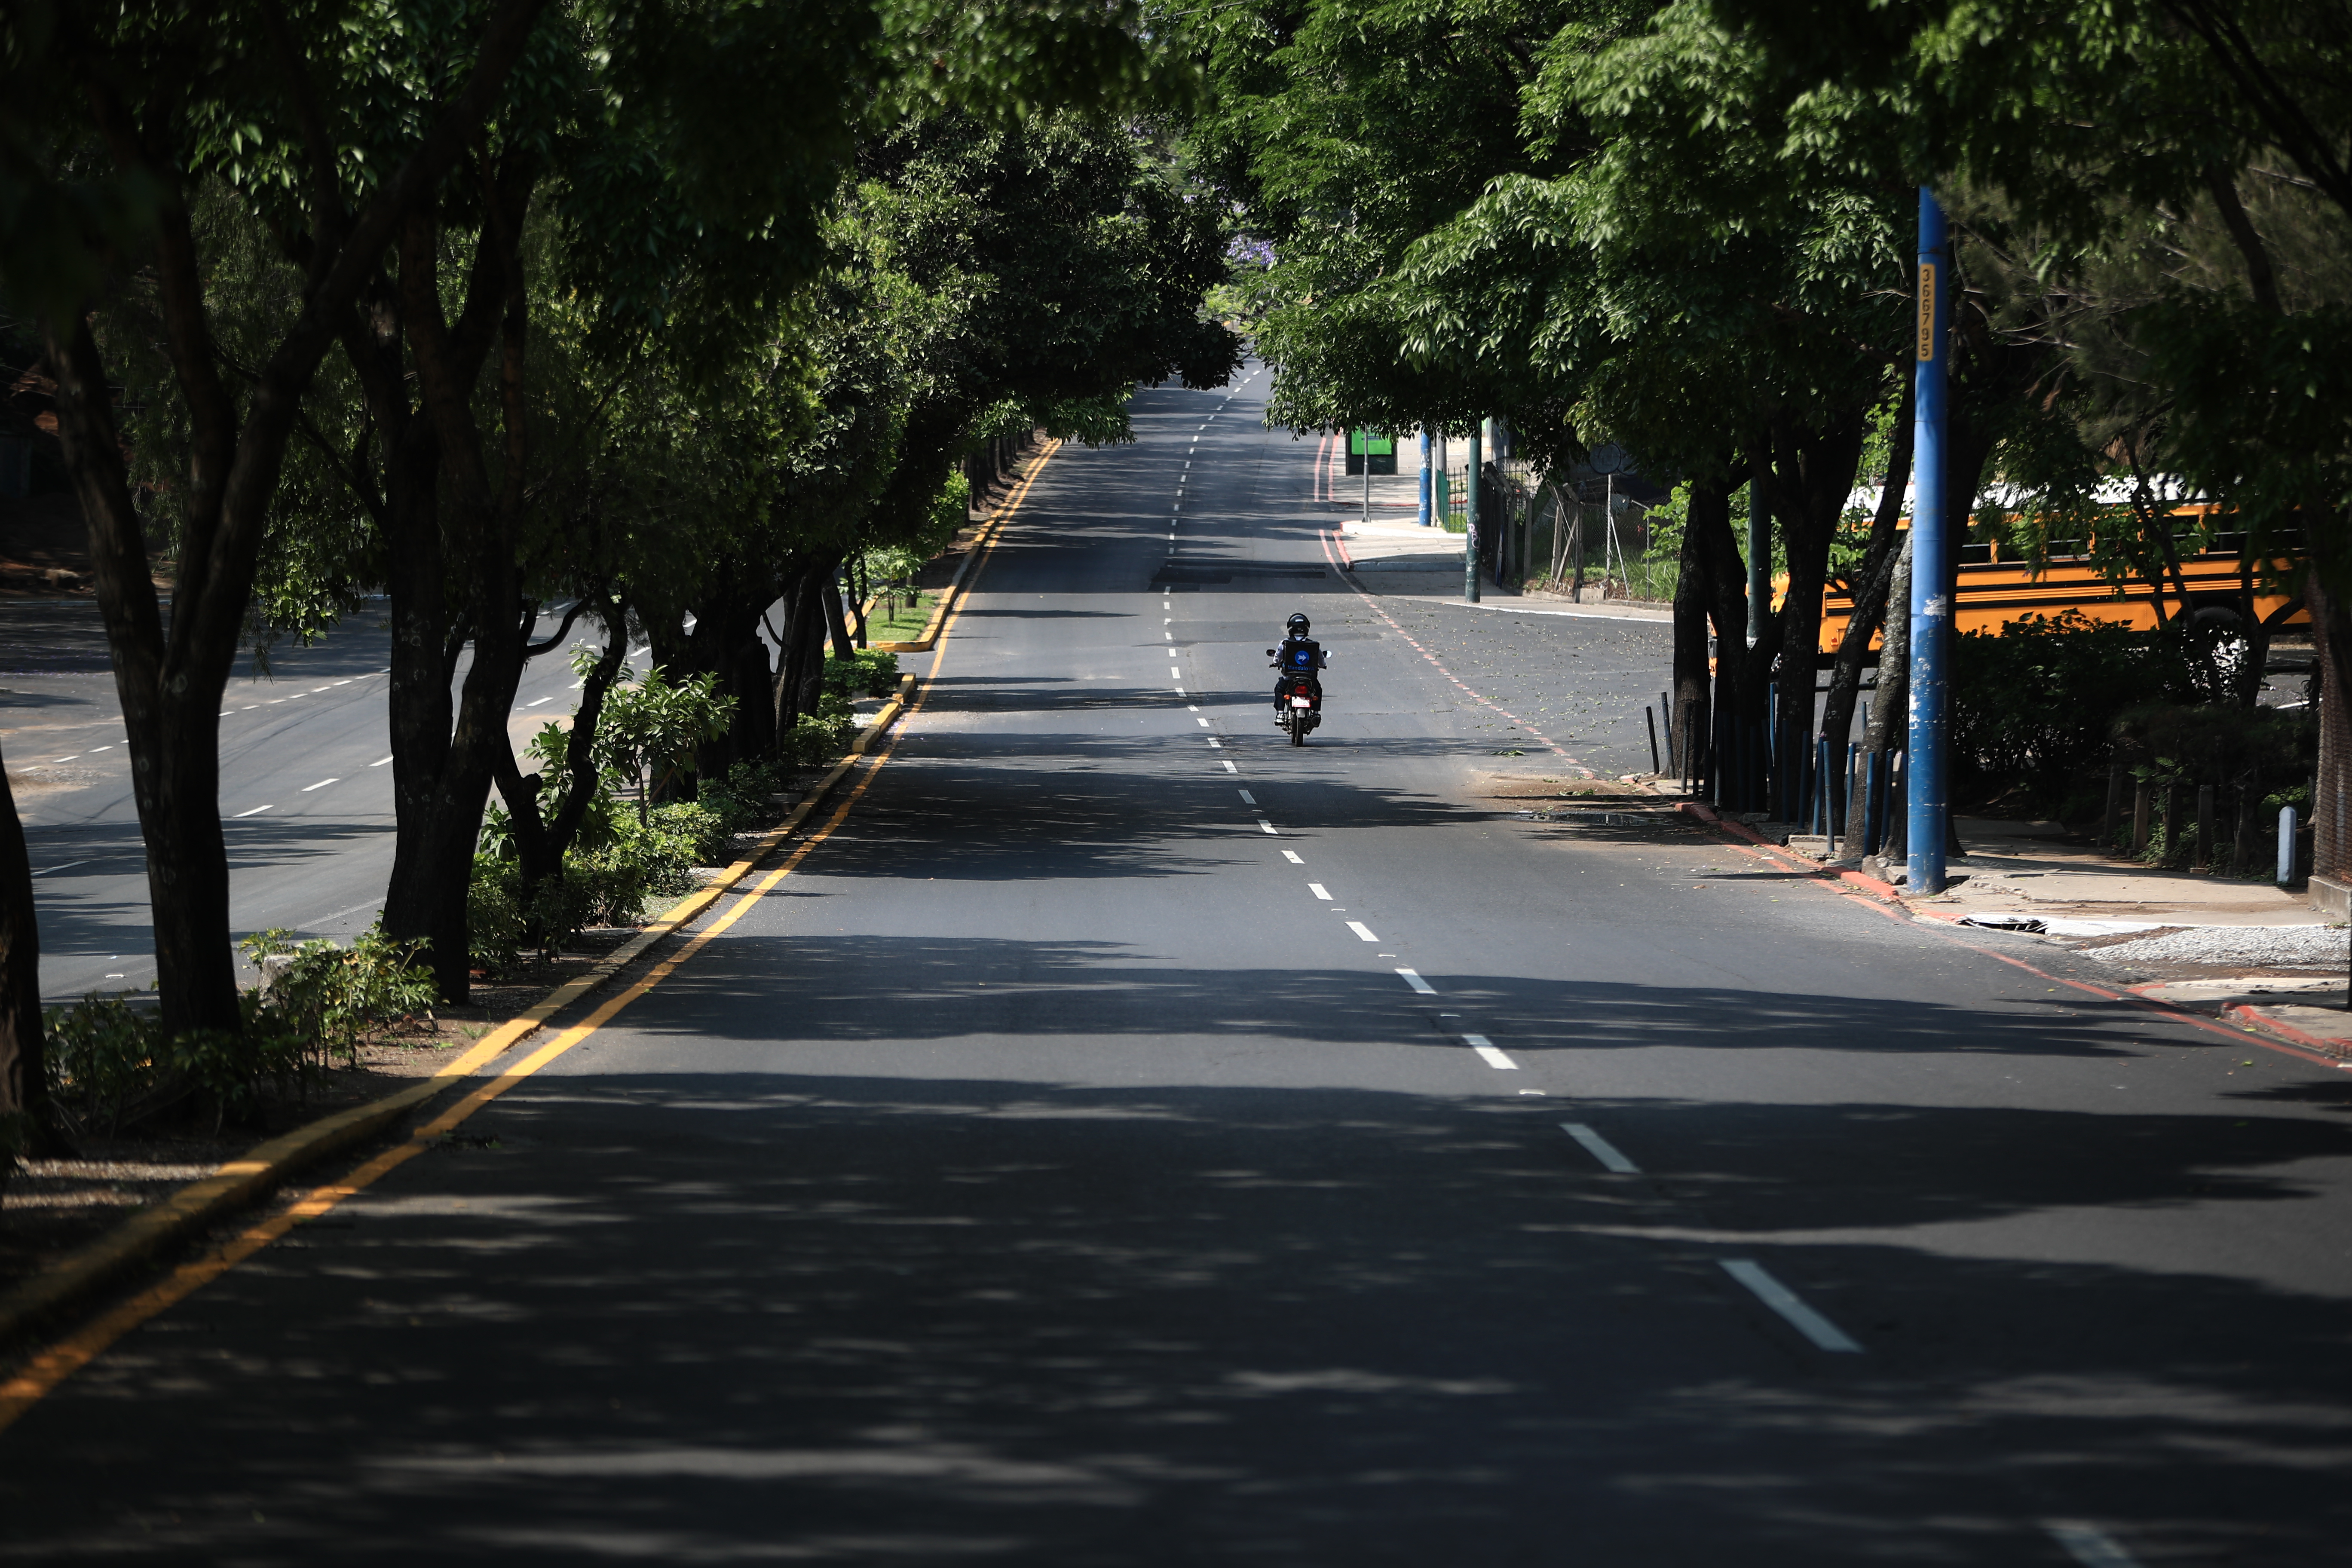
(2280, 947)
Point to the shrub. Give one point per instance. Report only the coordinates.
(817, 739)
(496, 931)
(326, 997)
(608, 885)
(106, 1064)
(650, 728)
(870, 672)
(2034, 705)
(110, 1066)
(740, 798)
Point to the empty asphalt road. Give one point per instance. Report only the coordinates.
(1127, 1139)
(305, 785)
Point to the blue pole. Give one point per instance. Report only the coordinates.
(1470, 534)
(1925, 772)
(1424, 478)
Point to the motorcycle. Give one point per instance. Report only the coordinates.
(1299, 706)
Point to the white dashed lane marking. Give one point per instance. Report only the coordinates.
(2089, 1545)
(320, 785)
(255, 812)
(1600, 1149)
(1315, 887)
(1824, 1334)
(1358, 927)
(1265, 826)
(1484, 1047)
(379, 761)
(1291, 856)
(1248, 798)
(1417, 982)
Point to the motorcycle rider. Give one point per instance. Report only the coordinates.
(1299, 655)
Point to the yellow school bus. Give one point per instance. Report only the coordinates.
(1995, 584)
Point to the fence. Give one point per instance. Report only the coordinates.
(1584, 538)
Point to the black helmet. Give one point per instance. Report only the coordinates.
(1299, 625)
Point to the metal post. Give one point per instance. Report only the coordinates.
(1649, 717)
(2286, 846)
(1923, 771)
(1760, 561)
(1896, 816)
(1666, 717)
(1845, 788)
(1424, 478)
(1470, 533)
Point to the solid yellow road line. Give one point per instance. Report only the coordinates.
(61, 1360)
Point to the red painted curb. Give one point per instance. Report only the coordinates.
(1870, 885)
(2285, 1038)
(2254, 1018)
(1347, 562)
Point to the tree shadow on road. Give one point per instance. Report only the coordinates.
(771, 1315)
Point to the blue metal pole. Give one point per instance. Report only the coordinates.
(1470, 534)
(1424, 478)
(1925, 772)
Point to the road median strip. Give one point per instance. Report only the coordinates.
(980, 544)
(45, 1298)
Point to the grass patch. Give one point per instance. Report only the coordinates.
(895, 621)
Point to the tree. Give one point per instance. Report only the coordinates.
(170, 97)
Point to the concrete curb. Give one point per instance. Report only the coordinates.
(70, 1279)
(2254, 1018)
(2331, 1052)
(58, 1285)
(1347, 562)
(1870, 885)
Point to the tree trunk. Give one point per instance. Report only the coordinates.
(837, 622)
(1871, 586)
(1738, 705)
(541, 842)
(1809, 475)
(802, 641)
(1694, 590)
(426, 896)
(24, 1074)
(1889, 707)
(1691, 709)
(170, 707)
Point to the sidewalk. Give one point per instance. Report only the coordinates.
(1397, 543)
(2244, 951)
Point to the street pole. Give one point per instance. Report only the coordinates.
(1424, 478)
(1760, 561)
(1470, 534)
(1925, 769)
(1368, 480)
